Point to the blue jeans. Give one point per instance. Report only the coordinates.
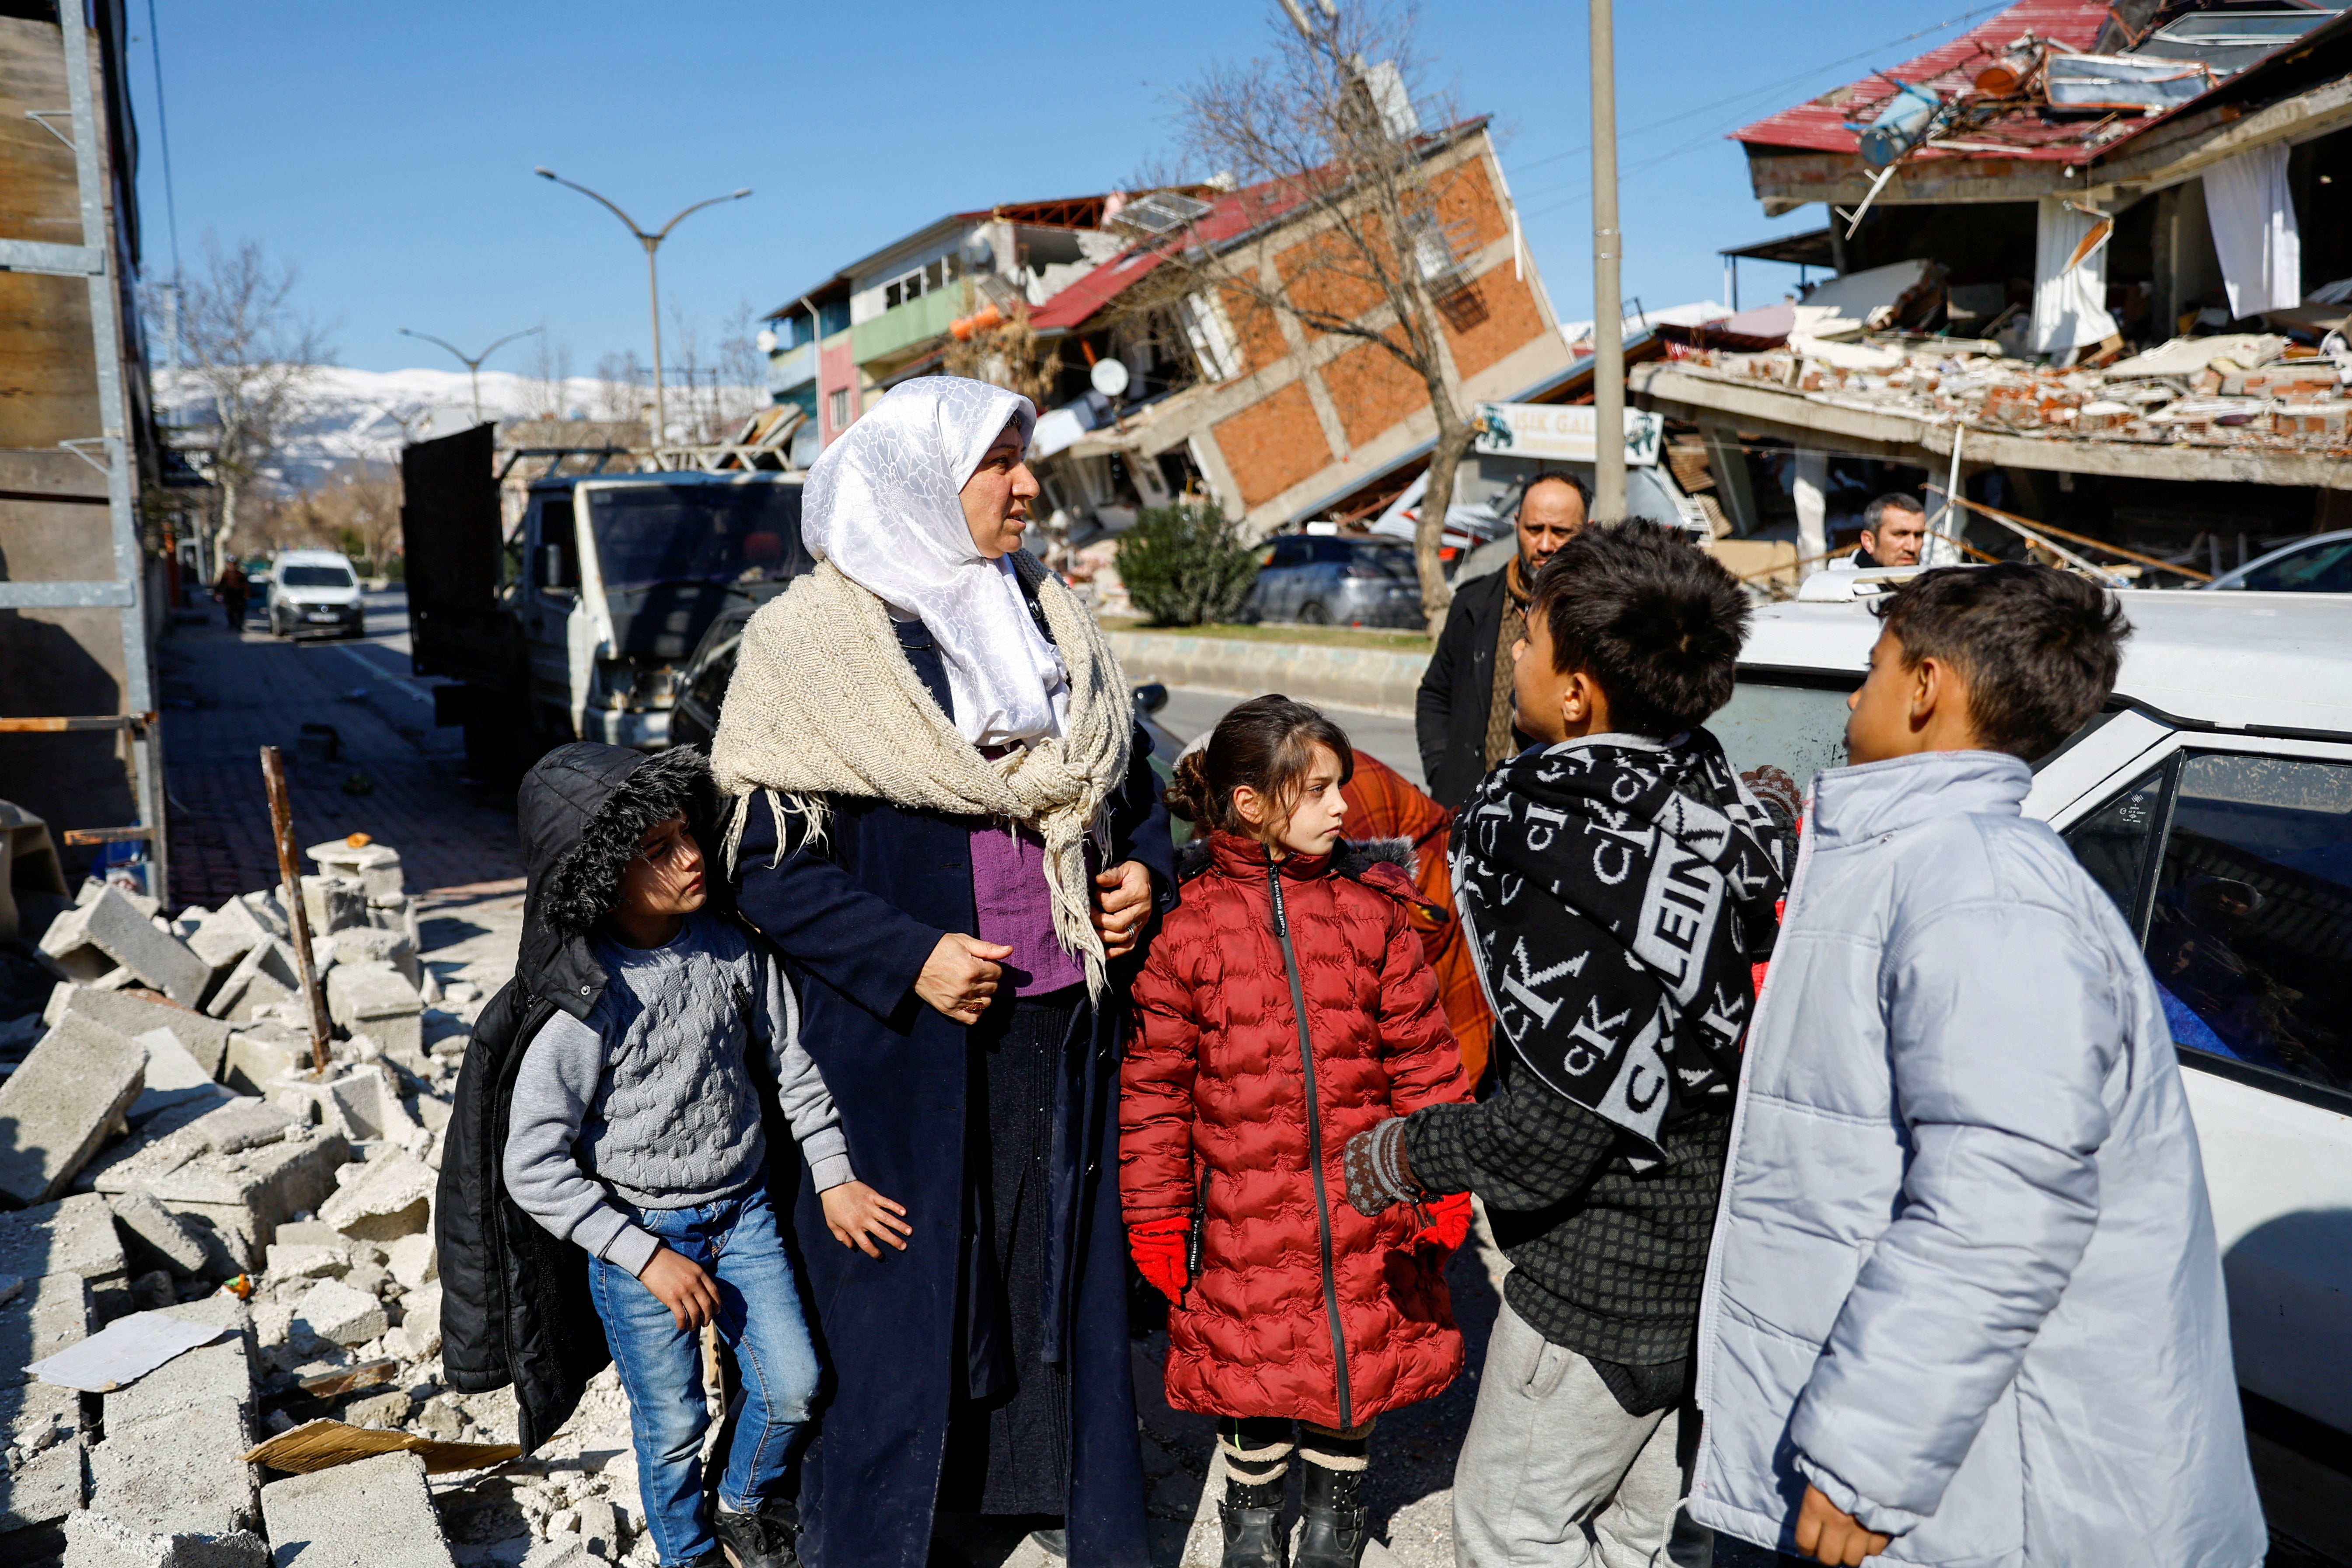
(759, 1315)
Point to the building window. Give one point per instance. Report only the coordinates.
(922, 280)
(838, 410)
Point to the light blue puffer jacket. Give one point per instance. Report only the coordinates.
(1964, 1278)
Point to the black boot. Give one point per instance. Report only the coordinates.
(1253, 1517)
(1332, 1531)
(759, 1540)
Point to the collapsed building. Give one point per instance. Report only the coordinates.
(2092, 263)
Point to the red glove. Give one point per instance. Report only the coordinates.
(1158, 1245)
(1449, 1222)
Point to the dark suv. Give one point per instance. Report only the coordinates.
(1325, 580)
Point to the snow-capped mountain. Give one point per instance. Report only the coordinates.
(369, 415)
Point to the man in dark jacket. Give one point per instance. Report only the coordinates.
(1462, 716)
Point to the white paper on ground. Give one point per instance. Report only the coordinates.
(123, 1351)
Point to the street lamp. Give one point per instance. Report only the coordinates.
(652, 242)
(473, 363)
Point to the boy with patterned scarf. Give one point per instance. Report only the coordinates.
(1617, 881)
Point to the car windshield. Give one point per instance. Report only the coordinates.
(2322, 569)
(701, 532)
(314, 576)
(1392, 560)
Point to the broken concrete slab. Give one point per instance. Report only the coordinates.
(334, 903)
(263, 977)
(418, 1337)
(93, 1541)
(41, 1422)
(45, 1488)
(374, 945)
(228, 933)
(116, 927)
(155, 1236)
(376, 867)
(172, 1078)
(306, 1260)
(368, 1100)
(222, 1370)
(390, 1198)
(244, 1197)
(60, 1104)
(336, 1312)
(133, 1013)
(359, 994)
(73, 1236)
(256, 1061)
(370, 1513)
(182, 1472)
(244, 1124)
(413, 1260)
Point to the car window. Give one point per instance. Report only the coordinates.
(1287, 551)
(2245, 907)
(1775, 721)
(315, 577)
(2322, 569)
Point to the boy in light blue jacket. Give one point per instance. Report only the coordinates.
(1964, 1303)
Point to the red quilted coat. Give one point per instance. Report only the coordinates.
(1299, 1307)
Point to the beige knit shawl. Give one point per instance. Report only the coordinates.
(824, 703)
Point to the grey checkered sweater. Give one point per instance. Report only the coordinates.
(650, 1100)
(1605, 1260)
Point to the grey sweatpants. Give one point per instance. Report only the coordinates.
(1554, 1473)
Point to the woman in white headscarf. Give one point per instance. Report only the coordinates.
(944, 818)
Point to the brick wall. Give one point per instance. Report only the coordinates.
(1273, 444)
(1492, 317)
(1373, 389)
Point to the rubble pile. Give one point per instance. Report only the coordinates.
(172, 1150)
(2252, 390)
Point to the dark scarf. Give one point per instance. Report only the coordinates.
(1615, 892)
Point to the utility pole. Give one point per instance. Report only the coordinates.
(652, 242)
(472, 363)
(1607, 249)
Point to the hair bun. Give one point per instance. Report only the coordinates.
(1189, 796)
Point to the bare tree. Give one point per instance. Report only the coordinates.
(624, 391)
(357, 508)
(1349, 238)
(551, 378)
(251, 354)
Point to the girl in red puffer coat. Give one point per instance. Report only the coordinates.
(1286, 1006)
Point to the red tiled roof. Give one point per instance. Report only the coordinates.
(1820, 125)
(1233, 215)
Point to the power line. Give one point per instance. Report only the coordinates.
(163, 134)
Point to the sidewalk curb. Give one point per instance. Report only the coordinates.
(1373, 679)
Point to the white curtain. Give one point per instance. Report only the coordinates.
(2252, 214)
(2070, 303)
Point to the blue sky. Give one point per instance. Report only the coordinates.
(386, 151)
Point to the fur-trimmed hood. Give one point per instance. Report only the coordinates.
(582, 811)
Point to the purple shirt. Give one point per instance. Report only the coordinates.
(1012, 906)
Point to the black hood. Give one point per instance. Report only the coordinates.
(582, 812)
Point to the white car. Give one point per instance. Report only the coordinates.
(2213, 801)
(2319, 565)
(317, 591)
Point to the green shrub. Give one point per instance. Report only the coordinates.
(1186, 564)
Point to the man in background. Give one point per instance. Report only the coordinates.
(1894, 533)
(1461, 718)
(233, 589)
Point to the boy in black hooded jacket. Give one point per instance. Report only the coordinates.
(630, 1125)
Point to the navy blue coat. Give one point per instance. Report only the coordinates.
(859, 917)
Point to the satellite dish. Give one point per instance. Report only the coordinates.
(1109, 377)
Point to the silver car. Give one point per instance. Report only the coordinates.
(1322, 580)
(2320, 564)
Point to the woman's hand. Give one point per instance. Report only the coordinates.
(859, 1216)
(681, 1285)
(960, 977)
(1122, 903)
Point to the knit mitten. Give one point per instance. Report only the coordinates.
(1379, 1170)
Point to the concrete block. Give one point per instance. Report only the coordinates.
(44, 1489)
(172, 1078)
(391, 1197)
(269, 909)
(413, 1260)
(220, 1371)
(335, 903)
(155, 1236)
(74, 1235)
(373, 944)
(313, 1233)
(263, 977)
(336, 1312)
(256, 1061)
(57, 1108)
(91, 888)
(93, 1541)
(243, 1125)
(418, 1337)
(376, 867)
(247, 1195)
(387, 1409)
(66, 949)
(132, 1014)
(117, 926)
(306, 1260)
(179, 1473)
(370, 1513)
(42, 1423)
(228, 933)
(359, 994)
(368, 1100)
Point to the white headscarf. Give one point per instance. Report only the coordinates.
(883, 505)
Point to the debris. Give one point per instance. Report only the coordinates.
(336, 1312)
(172, 1078)
(60, 1105)
(335, 903)
(228, 933)
(418, 1337)
(263, 977)
(257, 1060)
(110, 925)
(367, 1374)
(379, 1001)
(245, 1197)
(243, 1125)
(123, 1351)
(392, 1197)
(73, 1236)
(367, 945)
(181, 1471)
(375, 866)
(413, 1260)
(373, 1513)
(322, 1445)
(93, 1541)
(383, 1410)
(133, 1013)
(154, 1233)
(42, 1423)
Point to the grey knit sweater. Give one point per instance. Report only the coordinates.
(650, 1099)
